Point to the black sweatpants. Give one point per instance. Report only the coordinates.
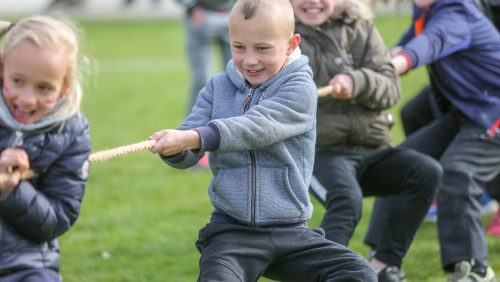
(239, 253)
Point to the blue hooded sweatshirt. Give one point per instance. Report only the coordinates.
(462, 49)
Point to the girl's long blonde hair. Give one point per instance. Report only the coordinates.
(49, 33)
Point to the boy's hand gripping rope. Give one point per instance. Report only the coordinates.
(127, 149)
(98, 156)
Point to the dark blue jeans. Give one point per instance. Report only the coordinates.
(347, 177)
(239, 253)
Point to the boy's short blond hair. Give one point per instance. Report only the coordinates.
(280, 9)
(49, 33)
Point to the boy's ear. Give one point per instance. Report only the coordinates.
(294, 42)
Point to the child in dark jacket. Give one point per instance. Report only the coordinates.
(353, 150)
(461, 48)
(41, 129)
(258, 121)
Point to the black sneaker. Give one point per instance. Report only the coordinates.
(391, 274)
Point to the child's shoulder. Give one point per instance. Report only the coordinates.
(76, 125)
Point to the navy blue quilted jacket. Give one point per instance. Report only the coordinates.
(40, 209)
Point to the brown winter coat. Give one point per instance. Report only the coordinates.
(353, 47)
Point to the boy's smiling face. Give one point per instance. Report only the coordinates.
(258, 46)
(34, 80)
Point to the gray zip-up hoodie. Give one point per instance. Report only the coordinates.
(263, 164)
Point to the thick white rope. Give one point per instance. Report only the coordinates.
(97, 156)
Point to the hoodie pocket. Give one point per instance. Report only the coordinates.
(277, 200)
(230, 189)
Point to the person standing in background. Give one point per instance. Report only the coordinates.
(129, 3)
(206, 23)
(66, 3)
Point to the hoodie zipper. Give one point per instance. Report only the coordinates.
(253, 189)
(248, 100)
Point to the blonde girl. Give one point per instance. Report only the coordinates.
(41, 129)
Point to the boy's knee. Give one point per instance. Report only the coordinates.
(361, 273)
(428, 174)
(432, 170)
(211, 271)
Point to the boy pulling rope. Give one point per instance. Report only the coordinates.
(132, 148)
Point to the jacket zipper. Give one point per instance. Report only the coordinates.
(253, 189)
(18, 140)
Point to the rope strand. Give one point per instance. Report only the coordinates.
(97, 156)
(120, 151)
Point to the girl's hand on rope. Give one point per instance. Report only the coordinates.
(170, 141)
(342, 85)
(13, 162)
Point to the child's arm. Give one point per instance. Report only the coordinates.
(289, 112)
(447, 32)
(375, 83)
(170, 142)
(183, 152)
(47, 210)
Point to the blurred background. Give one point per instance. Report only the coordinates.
(94, 9)
(119, 9)
(140, 218)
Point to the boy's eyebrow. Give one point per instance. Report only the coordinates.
(264, 43)
(267, 44)
(14, 73)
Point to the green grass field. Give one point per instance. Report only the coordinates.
(140, 218)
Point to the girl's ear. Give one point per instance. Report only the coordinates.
(1, 69)
(294, 42)
(64, 89)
